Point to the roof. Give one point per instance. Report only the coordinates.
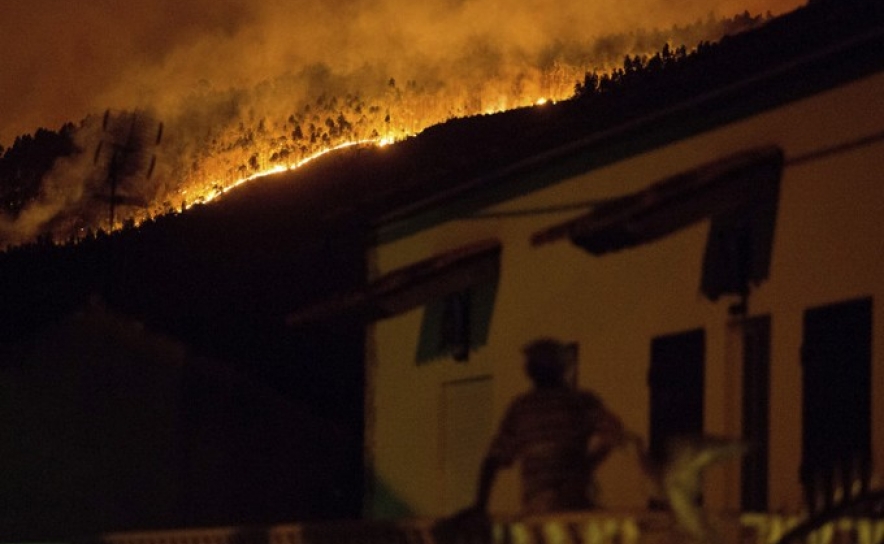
(671, 203)
(739, 193)
(411, 286)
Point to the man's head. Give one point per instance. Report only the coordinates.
(545, 362)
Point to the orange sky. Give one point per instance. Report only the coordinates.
(61, 60)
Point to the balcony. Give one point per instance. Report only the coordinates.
(605, 527)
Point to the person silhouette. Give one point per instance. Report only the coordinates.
(558, 433)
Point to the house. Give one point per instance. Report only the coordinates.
(112, 426)
(714, 259)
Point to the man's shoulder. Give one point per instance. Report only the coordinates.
(588, 396)
(581, 397)
(586, 400)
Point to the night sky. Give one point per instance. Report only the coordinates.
(60, 61)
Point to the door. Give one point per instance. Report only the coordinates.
(466, 434)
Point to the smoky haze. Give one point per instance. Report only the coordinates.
(60, 61)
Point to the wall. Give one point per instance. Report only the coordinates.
(826, 249)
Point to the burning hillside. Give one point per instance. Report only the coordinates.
(127, 166)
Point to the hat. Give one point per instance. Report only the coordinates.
(545, 364)
(547, 349)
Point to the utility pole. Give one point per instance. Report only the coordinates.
(125, 149)
(126, 134)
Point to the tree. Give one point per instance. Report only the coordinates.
(24, 165)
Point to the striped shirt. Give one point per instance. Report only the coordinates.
(548, 430)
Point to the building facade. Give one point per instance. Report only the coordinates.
(725, 280)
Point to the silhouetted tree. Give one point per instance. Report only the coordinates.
(24, 165)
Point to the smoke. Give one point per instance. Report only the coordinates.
(67, 193)
(232, 79)
(75, 195)
(61, 61)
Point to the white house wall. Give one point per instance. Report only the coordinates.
(828, 247)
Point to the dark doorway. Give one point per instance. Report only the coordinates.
(836, 408)
(676, 384)
(756, 406)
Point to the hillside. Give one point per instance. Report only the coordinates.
(806, 51)
(58, 184)
(223, 276)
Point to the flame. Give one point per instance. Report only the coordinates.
(217, 188)
(215, 193)
(217, 182)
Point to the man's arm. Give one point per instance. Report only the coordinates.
(487, 475)
(500, 454)
(609, 434)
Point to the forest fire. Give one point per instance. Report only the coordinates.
(244, 151)
(218, 139)
(280, 168)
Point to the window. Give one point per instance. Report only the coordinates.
(756, 406)
(836, 405)
(457, 323)
(456, 320)
(676, 383)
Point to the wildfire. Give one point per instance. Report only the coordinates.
(223, 139)
(218, 191)
(218, 187)
(305, 138)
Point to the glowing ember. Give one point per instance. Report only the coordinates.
(277, 169)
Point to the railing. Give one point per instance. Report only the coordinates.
(860, 515)
(569, 528)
